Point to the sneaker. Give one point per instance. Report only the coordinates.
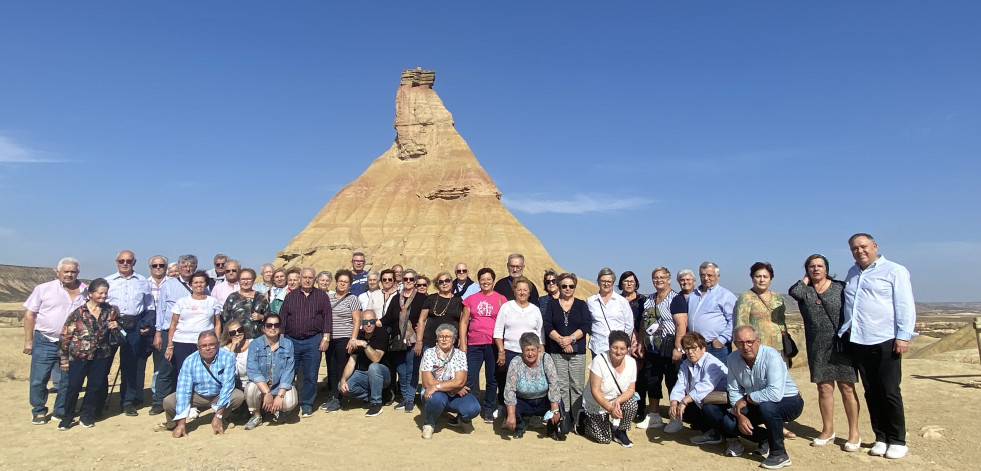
(39, 419)
(130, 410)
(764, 449)
(652, 420)
(707, 438)
(400, 406)
(156, 409)
(86, 424)
(64, 426)
(489, 419)
(674, 426)
(454, 422)
(895, 452)
(306, 411)
(409, 404)
(879, 449)
(734, 447)
(374, 410)
(776, 461)
(519, 433)
(332, 405)
(621, 437)
(253, 422)
(427, 432)
(499, 412)
(280, 417)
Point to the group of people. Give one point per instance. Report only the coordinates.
(223, 338)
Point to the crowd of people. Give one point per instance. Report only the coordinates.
(227, 340)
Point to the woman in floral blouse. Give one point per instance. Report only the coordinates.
(246, 305)
(532, 388)
(86, 352)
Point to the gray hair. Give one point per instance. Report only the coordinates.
(373, 272)
(450, 327)
(406, 272)
(187, 259)
(685, 272)
(207, 334)
(166, 262)
(219, 257)
(233, 261)
(705, 265)
(264, 265)
(737, 330)
(528, 339)
(860, 234)
(517, 255)
(330, 276)
(355, 254)
(605, 271)
(67, 261)
(310, 269)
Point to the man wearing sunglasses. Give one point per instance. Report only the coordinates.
(365, 376)
(130, 293)
(229, 285)
(217, 273)
(462, 282)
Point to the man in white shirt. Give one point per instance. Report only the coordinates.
(879, 321)
(223, 289)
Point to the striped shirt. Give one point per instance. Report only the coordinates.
(305, 315)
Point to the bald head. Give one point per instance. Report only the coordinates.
(125, 262)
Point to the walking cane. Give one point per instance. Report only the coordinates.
(112, 388)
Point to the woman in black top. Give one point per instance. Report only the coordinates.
(566, 322)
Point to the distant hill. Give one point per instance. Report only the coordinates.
(16, 283)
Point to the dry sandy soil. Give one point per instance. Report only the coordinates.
(936, 391)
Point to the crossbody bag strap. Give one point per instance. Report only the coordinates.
(609, 366)
(208, 369)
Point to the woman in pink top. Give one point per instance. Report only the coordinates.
(479, 315)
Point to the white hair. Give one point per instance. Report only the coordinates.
(705, 265)
(67, 261)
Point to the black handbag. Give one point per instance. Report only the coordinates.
(790, 349)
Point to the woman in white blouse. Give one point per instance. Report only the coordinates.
(515, 318)
(610, 312)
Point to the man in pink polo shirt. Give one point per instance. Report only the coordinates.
(46, 310)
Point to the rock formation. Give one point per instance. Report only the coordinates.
(425, 203)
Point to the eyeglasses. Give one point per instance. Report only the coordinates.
(550, 281)
(444, 337)
(689, 348)
(367, 322)
(159, 265)
(568, 286)
(271, 325)
(460, 272)
(516, 267)
(606, 282)
(126, 261)
(357, 261)
(240, 280)
(443, 281)
(422, 285)
(662, 278)
(743, 343)
(388, 280)
(232, 270)
(208, 346)
(240, 330)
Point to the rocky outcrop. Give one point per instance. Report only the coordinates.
(426, 203)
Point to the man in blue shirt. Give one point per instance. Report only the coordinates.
(761, 392)
(710, 309)
(880, 317)
(130, 293)
(359, 284)
(207, 379)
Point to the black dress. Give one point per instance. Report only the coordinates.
(823, 315)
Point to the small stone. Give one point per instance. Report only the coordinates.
(932, 432)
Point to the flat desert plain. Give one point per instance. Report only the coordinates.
(937, 392)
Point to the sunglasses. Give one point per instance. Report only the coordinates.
(388, 280)
(367, 322)
(568, 286)
(127, 261)
(240, 330)
(408, 280)
(220, 265)
(460, 272)
(232, 270)
(158, 265)
(422, 285)
(550, 282)
(271, 325)
(443, 281)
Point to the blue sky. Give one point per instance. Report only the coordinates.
(676, 131)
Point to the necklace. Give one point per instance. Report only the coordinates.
(445, 308)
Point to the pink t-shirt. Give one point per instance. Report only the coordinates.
(483, 314)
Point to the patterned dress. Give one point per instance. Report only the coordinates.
(822, 315)
(768, 317)
(240, 308)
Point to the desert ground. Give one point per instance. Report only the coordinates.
(939, 395)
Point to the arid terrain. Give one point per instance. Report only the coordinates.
(938, 391)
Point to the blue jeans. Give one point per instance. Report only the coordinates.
(477, 356)
(405, 367)
(721, 353)
(44, 359)
(164, 380)
(771, 414)
(708, 417)
(133, 355)
(467, 406)
(368, 385)
(96, 374)
(529, 407)
(307, 358)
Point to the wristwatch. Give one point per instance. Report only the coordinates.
(680, 350)
(218, 415)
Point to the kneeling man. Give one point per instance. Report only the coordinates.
(365, 377)
(207, 379)
(763, 397)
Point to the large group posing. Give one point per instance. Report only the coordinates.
(223, 338)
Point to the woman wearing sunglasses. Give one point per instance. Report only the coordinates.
(440, 308)
(270, 370)
(566, 323)
(235, 339)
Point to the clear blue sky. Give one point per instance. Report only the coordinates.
(680, 132)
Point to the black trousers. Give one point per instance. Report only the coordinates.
(881, 371)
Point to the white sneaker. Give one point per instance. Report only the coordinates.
(652, 420)
(895, 452)
(674, 426)
(427, 432)
(879, 449)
